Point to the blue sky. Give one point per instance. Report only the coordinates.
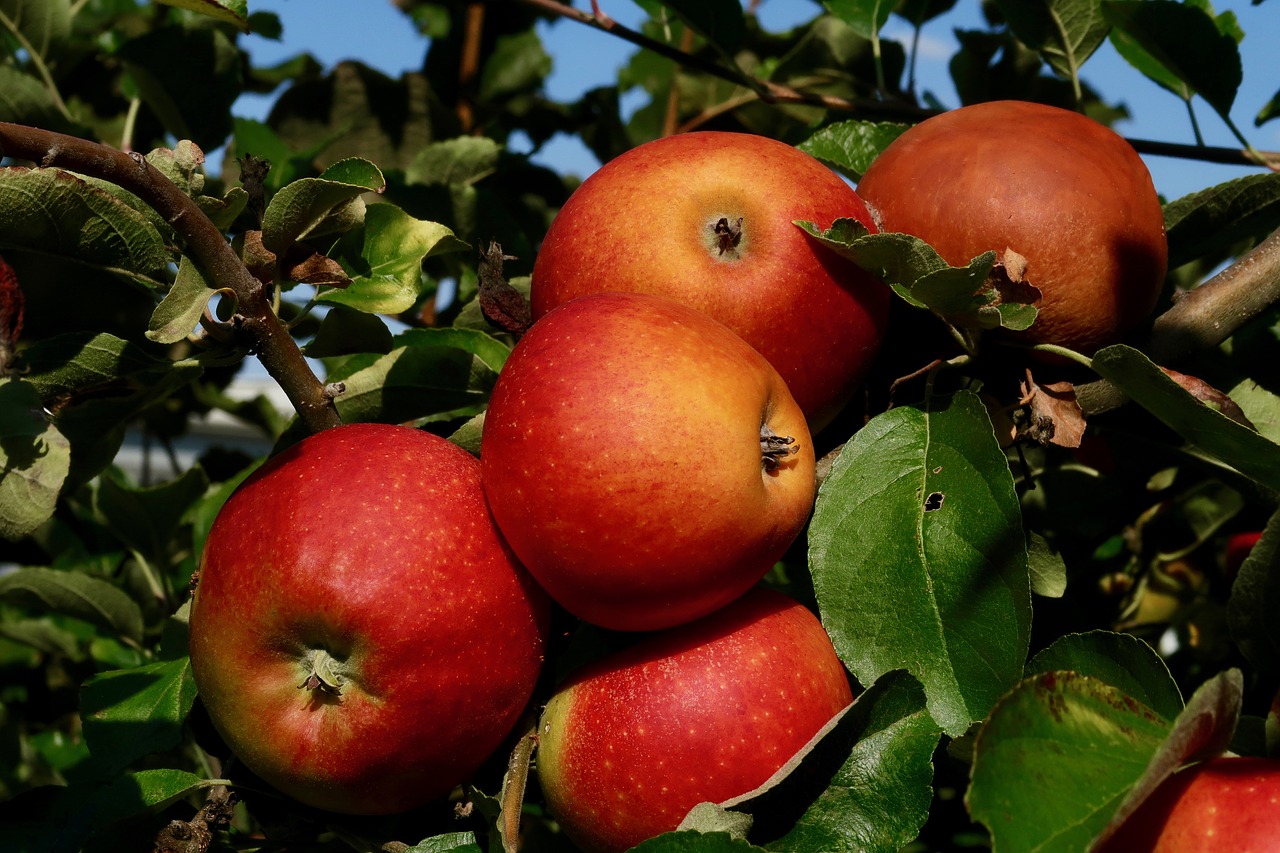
(376, 33)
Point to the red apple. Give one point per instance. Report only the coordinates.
(708, 218)
(1225, 804)
(1239, 547)
(645, 464)
(704, 712)
(1065, 192)
(360, 634)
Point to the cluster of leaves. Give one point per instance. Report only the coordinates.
(935, 540)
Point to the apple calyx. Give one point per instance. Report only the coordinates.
(728, 234)
(774, 448)
(322, 676)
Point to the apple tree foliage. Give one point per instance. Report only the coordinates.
(1020, 559)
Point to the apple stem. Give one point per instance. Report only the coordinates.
(774, 448)
(322, 675)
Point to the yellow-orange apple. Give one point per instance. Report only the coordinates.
(360, 634)
(1228, 803)
(701, 713)
(644, 463)
(707, 218)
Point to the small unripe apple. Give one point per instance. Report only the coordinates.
(360, 634)
(1066, 193)
(645, 464)
(701, 713)
(1224, 804)
(707, 218)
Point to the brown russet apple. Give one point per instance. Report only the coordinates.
(360, 634)
(644, 463)
(700, 713)
(1225, 803)
(707, 218)
(1066, 193)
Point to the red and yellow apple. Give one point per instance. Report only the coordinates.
(360, 634)
(645, 464)
(1228, 803)
(701, 713)
(707, 218)
(1066, 193)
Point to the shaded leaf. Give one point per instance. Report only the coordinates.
(314, 207)
(1180, 46)
(179, 313)
(518, 63)
(864, 17)
(88, 598)
(450, 842)
(129, 713)
(690, 841)
(412, 382)
(918, 557)
(235, 12)
(1121, 660)
(345, 331)
(1206, 428)
(463, 160)
(1212, 220)
(146, 519)
(720, 22)
(34, 460)
(1255, 596)
(41, 24)
(1054, 760)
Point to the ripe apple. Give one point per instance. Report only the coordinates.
(1218, 805)
(1239, 547)
(703, 712)
(1065, 192)
(707, 218)
(360, 634)
(645, 464)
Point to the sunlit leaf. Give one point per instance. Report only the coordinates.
(313, 207)
(229, 11)
(864, 17)
(179, 313)
(1120, 660)
(918, 557)
(1064, 32)
(850, 146)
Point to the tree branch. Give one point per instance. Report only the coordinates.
(777, 93)
(205, 244)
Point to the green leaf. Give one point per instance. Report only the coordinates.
(1120, 660)
(345, 331)
(201, 514)
(129, 713)
(387, 277)
(850, 146)
(181, 165)
(412, 382)
(450, 842)
(25, 100)
(463, 160)
(967, 297)
(1269, 111)
(52, 212)
(179, 313)
(720, 22)
(864, 17)
(1203, 730)
(1056, 758)
(91, 599)
(1048, 569)
(1214, 219)
(1206, 428)
(145, 519)
(879, 800)
(518, 63)
(34, 460)
(918, 557)
(487, 348)
(235, 12)
(130, 795)
(1179, 46)
(690, 841)
(40, 25)
(1064, 32)
(315, 207)
(1255, 596)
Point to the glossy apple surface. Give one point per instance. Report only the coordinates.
(1222, 804)
(707, 218)
(360, 634)
(622, 458)
(1065, 192)
(704, 712)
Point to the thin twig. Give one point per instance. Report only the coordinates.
(205, 244)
